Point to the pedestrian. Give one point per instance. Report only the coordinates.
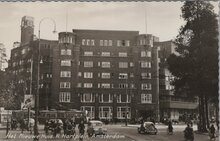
(212, 132)
(81, 128)
(46, 126)
(65, 126)
(22, 125)
(217, 124)
(188, 133)
(170, 128)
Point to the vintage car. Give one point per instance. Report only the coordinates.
(95, 127)
(147, 128)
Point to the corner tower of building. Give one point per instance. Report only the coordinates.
(27, 29)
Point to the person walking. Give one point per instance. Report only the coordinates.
(212, 132)
(170, 128)
(81, 128)
(22, 125)
(188, 133)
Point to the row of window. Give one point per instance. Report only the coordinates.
(104, 98)
(107, 112)
(144, 86)
(119, 43)
(89, 64)
(21, 62)
(67, 39)
(106, 54)
(146, 42)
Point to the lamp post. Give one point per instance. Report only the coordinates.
(126, 92)
(38, 79)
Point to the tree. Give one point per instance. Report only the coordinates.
(196, 66)
(7, 97)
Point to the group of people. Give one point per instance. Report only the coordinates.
(68, 127)
(22, 124)
(188, 132)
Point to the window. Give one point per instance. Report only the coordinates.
(127, 43)
(105, 64)
(131, 64)
(87, 42)
(65, 74)
(105, 112)
(123, 43)
(79, 85)
(106, 75)
(65, 52)
(92, 42)
(64, 97)
(105, 42)
(90, 110)
(88, 75)
(105, 54)
(146, 98)
(88, 64)
(145, 64)
(146, 86)
(87, 97)
(123, 85)
(65, 63)
(123, 98)
(105, 85)
(122, 54)
(87, 85)
(105, 98)
(145, 75)
(123, 76)
(123, 111)
(88, 53)
(83, 42)
(64, 84)
(109, 42)
(132, 86)
(148, 54)
(79, 74)
(119, 43)
(101, 43)
(123, 65)
(131, 74)
(143, 53)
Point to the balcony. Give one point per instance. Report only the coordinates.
(178, 104)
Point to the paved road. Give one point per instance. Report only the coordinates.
(115, 133)
(161, 136)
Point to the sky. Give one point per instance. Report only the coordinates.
(162, 19)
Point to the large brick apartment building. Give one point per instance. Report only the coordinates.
(108, 73)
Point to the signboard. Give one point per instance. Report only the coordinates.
(28, 102)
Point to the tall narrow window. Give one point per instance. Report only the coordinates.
(101, 43)
(64, 97)
(64, 84)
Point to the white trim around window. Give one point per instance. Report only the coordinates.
(64, 97)
(146, 98)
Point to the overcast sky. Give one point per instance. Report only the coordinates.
(163, 18)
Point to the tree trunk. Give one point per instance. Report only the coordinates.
(207, 111)
(203, 119)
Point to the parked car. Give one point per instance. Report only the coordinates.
(95, 127)
(147, 128)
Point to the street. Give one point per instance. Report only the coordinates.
(115, 132)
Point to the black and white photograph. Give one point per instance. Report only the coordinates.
(109, 71)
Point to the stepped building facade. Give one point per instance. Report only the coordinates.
(110, 74)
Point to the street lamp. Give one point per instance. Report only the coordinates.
(38, 79)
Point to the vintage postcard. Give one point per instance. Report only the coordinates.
(109, 71)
